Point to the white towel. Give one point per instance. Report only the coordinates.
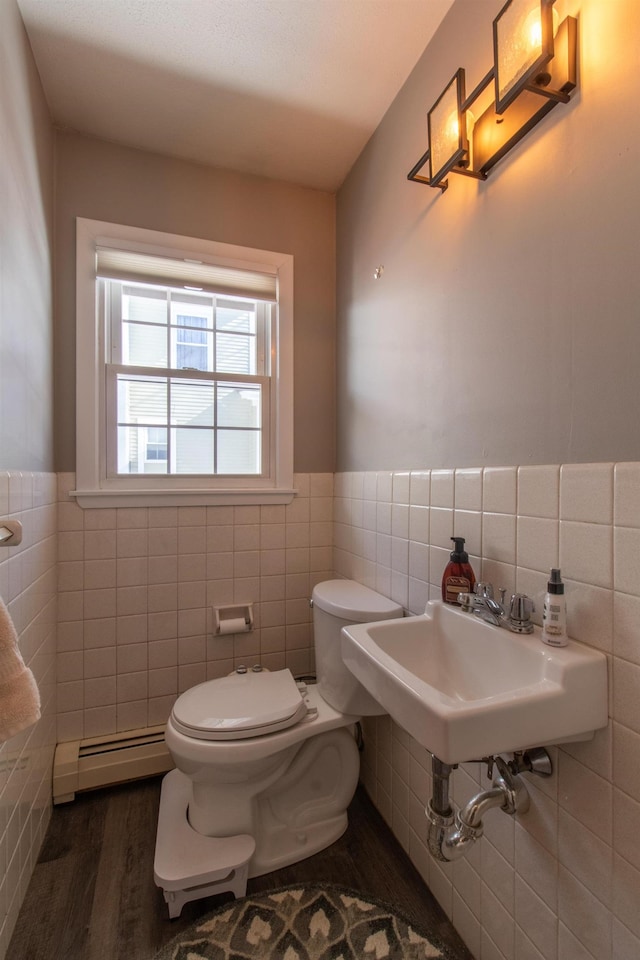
(19, 695)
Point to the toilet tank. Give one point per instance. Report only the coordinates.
(338, 604)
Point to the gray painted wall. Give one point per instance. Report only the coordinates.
(26, 202)
(505, 328)
(103, 181)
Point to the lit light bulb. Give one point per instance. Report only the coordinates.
(533, 30)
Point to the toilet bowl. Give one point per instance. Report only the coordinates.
(274, 759)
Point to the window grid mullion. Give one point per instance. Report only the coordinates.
(170, 468)
(215, 336)
(170, 357)
(215, 427)
(170, 452)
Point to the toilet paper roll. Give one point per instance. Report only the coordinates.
(234, 625)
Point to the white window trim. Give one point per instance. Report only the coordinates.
(93, 487)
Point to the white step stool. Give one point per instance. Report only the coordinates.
(188, 865)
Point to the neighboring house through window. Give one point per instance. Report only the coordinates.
(190, 395)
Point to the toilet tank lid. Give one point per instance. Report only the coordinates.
(352, 601)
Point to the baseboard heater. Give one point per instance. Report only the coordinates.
(104, 761)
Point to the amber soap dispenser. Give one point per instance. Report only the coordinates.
(458, 576)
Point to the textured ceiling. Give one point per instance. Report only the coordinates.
(290, 89)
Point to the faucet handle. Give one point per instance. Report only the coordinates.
(484, 589)
(520, 612)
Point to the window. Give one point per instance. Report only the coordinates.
(190, 395)
(193, 368)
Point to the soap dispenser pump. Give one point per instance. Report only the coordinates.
(458, 576)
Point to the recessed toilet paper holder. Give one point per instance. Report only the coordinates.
(10, 533)
(235, 618)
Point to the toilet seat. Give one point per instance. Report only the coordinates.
(240, 706)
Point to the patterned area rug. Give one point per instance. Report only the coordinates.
(318, 922)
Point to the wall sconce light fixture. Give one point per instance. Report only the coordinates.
(534, 69)
(448, 144)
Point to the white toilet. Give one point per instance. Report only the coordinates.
(260, 757)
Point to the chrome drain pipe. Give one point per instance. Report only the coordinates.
(451, 835)
(439, 810)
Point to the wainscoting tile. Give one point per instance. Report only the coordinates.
(499, 489)
(586, 796)
(442, 488)
(626, 703)
(626, 894)
(625, 945)
(586, 492)
(627, 494)
(584, 915)
(588, 858)
(626, 760)
(498, 923)
(441, 529)
(539, 491)
(420, 488)
(499, 537)
(536, 920)
(468, 524)
(626, 627)
(586, 553)
(468, 489)
(626, 827)
(626, 542)
(400, 486)
(537, 543)
(537, 867)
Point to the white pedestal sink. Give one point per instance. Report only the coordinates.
(466, 689)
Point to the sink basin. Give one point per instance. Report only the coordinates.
(466, 689)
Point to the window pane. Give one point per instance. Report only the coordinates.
(239, 406)
(195, 328)
(192, 451)
(144, 306)
(156, 444)
(192, 332)
(191, 357)
(235, 353)
(193, 344)
(192, 309)
(192, 403)
(137, 454)
(238, 451)
(144, 345)
(235, 315)
(142, 400)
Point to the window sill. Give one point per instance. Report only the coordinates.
(181, 498)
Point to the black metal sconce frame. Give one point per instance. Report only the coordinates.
(496, 131)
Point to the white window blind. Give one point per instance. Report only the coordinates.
(130, 265)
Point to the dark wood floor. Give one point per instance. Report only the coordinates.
(92, 895)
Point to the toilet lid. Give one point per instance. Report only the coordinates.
(239, 706)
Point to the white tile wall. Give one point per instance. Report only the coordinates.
(28, 587)
(563, 881)
(136, 590)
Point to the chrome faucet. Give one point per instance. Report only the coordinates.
(483, 604)
(486, 607)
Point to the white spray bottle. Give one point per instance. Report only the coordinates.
(554, 616)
